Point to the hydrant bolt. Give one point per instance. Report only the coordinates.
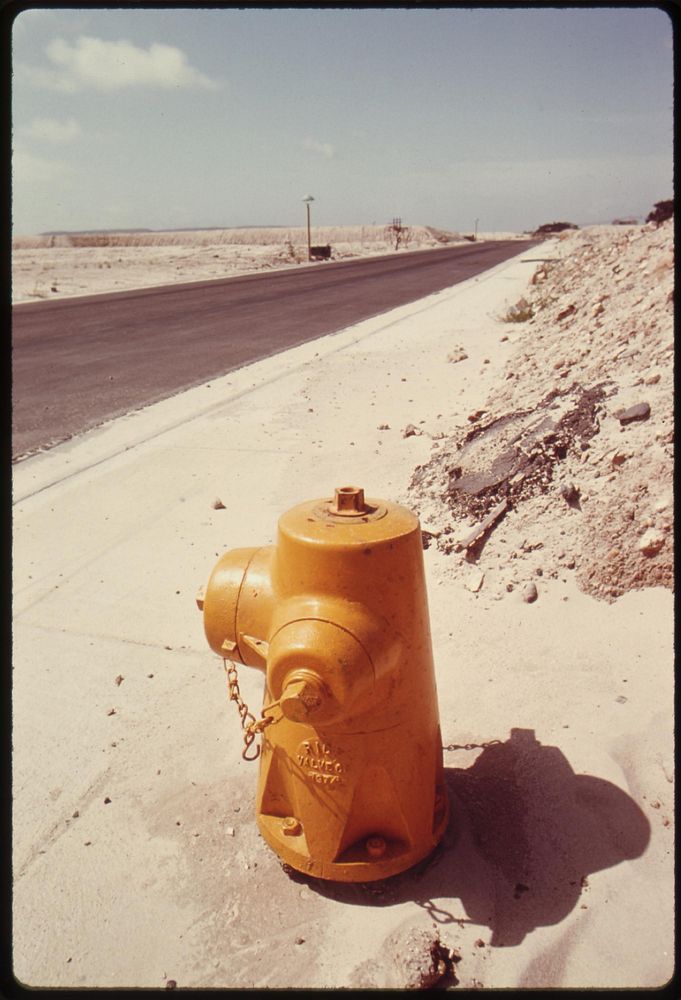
(375, 847)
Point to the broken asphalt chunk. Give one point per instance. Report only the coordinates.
(483, 528)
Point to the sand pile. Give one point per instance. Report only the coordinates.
(567, 466)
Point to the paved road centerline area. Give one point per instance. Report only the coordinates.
(78, 362)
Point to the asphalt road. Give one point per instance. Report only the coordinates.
(78, 362)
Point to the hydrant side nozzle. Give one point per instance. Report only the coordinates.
(237, 601)
(333, 665)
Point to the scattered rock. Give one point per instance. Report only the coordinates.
(564, 313)
(427, 536)
(422, 960)
(651, 542)
(475, 415)
(569, 492)
(458, 354)
(411, 958)
(475, 582)
(640, 411)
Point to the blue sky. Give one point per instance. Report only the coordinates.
(163, 118)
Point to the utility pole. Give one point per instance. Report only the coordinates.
(307, 199)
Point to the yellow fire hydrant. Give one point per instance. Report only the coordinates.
(351, 784)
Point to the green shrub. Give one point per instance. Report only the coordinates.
(519, 313)
(662, 211)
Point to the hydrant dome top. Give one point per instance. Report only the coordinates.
(350, 517)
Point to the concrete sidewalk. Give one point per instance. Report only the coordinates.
(136, 855)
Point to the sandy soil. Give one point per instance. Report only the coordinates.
(45, 267)
(137, 861)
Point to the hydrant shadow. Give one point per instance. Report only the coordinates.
(524, 834)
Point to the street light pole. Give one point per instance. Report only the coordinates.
(307, 199)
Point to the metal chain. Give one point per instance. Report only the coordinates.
(250, 725)
(472, 746)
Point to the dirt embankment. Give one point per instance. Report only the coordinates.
(568, 465)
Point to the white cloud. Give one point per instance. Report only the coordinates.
(322, 148)
(29, 170)
(27, 18)
(51, 130)
(95, 63)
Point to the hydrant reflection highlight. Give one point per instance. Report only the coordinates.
(351, 784)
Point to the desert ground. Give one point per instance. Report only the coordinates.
(50, 267)
(526, 416)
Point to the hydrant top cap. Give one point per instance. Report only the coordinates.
(349, 500)
(349, 504)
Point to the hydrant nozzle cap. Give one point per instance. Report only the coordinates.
(301, 696)
(349, 499)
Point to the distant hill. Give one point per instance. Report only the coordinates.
(89, 232)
